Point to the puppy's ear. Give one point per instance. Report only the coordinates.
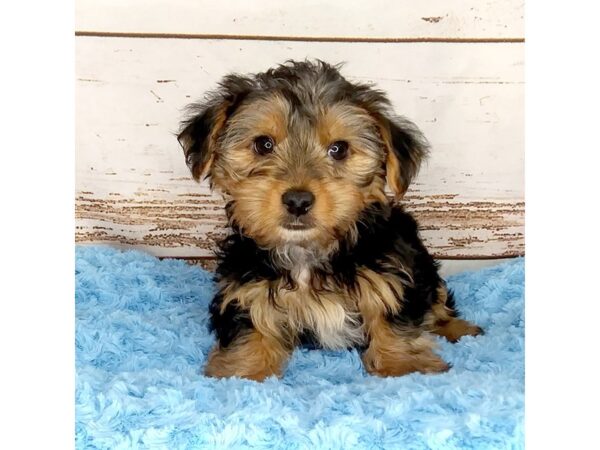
(199, 135)
(405, 145)
(406, 149)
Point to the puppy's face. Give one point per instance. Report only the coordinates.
(298, 173)
(300, 151)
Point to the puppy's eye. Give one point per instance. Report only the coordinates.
(338, 150)
(263, 145)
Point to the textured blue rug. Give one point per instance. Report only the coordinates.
(142, 339)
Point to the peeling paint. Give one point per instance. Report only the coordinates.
(432, 19)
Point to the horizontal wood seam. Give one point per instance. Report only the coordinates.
(240, 37)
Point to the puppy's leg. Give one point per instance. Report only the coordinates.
(251, 355)
(443, 320)
(393, 353)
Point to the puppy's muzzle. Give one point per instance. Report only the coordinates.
(298, 202)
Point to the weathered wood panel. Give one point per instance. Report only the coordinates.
(134, 188)
(188, 224)
(404, 19)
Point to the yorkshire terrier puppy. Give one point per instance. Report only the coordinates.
(318, 254)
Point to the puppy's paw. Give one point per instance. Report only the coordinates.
(454, 329)
(398, 365)
(249, 358)
(215, 371)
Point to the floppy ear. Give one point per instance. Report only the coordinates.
(199, 135)
(406, 148)
(405, 145)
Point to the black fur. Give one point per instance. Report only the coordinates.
(389, 235)
(229, 324)
(388, 241)
(242, 261)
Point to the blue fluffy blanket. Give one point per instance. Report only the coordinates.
(142, 339)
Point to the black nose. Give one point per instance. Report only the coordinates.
(298, 202)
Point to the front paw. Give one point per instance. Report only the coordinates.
(217, 371)
(396, 364)
(454, 329)
(226, 363)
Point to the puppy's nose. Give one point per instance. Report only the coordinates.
(298, 202)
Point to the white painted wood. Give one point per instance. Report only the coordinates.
(451, 267)
(312, 18)
(133, 186)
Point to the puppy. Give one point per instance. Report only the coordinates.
(318, 255)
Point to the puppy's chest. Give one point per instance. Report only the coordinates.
(331, 314)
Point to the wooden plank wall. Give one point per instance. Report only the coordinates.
(455, 68)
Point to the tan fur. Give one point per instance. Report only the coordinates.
(300, 161)
(391, 352)
(440, 322)
(200, 170)
(375, 192)
(376, 295)
(357, 127)
(393, 175)
(332, 316)
(253, 355)
(392, 166)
